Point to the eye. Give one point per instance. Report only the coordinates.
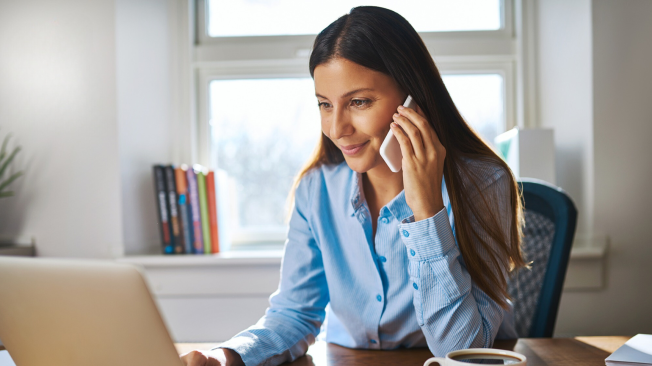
(324, 104)
(360, 102)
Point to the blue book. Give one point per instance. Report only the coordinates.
(184, 209)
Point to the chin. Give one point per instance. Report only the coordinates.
(362, 164)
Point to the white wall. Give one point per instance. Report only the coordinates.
(563, 48)
(144, 108)
(58, 98)
(595, 83)
(86, 87)
(622, 130)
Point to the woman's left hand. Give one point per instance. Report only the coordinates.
(423, 162)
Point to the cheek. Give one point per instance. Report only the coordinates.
(325, 127)
(374, 124)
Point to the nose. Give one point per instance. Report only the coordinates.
(340, 124)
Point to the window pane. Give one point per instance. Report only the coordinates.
(263, 131)
(291, 17)
(480, 100)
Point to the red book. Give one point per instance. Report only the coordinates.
(212, 211)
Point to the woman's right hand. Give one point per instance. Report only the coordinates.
(216, 357)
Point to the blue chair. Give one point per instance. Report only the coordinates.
(550, 219)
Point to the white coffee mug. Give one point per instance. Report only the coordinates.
(467, 357)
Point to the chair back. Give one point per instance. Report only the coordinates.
(550, 219)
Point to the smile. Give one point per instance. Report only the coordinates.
(353, 149)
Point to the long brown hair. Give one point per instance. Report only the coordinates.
(382, 40)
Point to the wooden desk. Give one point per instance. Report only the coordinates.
(579, 351)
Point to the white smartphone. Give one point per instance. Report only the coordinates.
(390, 150)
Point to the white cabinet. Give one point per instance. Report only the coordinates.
(209, 298)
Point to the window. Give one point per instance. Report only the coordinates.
(293, 17)
(480, 100)
(262, 142)
(257, 116)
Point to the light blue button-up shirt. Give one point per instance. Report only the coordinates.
(405, 287)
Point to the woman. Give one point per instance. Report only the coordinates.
(410, 259)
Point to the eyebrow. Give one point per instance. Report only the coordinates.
(347, 93)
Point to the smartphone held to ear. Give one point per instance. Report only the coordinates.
(390, 150)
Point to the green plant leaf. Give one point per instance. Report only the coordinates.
(11, 179)
(6, 194)
(3, 150)
(11, 157)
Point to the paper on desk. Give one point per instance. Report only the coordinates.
(5, 359)
(636, 351)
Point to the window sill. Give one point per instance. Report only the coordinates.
(241, 257)
(586, 263)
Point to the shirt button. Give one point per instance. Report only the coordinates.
(415, 286)
(379, 298)
(382, 259)
(412, 252)
(405, 233)
(372, 341)
(385, 220)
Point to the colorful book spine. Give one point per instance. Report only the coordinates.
(198, 243)
(212, 211)
(171, 186)
(203, 205)
(184, 213)
(162, 205)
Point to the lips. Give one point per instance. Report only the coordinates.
(353, 149)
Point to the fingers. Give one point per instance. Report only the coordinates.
(413, 134)
(430, 139)
(403, 140)
(195, 358)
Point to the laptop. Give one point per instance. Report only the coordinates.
(80, 312)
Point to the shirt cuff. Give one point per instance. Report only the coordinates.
(429, 238)
(245, 347)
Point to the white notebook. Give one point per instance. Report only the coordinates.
(636, 352)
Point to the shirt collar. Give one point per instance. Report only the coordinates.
(398, 207)
(356, 193)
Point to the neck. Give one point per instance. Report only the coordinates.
(381, 184)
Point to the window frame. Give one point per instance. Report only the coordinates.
(255, 57)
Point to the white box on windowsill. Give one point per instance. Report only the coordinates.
(530, 153)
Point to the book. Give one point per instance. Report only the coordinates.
(162, 208)
(175, 225)
(212, 211)
(203, 205)
(183, 207)
(635, 352)
(195, 216)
